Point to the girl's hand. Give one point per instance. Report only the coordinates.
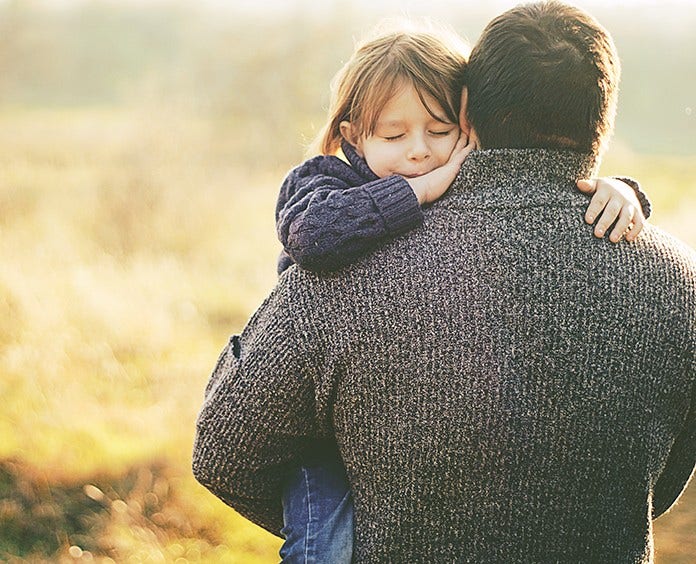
(613, 199)
(431, 186)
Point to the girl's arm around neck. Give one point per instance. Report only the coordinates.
(328, 215)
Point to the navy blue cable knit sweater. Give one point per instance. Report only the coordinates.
(330, 212)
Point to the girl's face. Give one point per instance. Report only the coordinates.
(407, 140)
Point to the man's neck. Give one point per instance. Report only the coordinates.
(537, 164)
(496, 176)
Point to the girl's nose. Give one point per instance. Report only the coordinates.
(419, 149)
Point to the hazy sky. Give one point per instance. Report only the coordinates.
(661, 11)
(423, 6)
(664, 13)
(273, 6)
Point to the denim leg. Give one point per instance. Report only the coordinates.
(318, 516)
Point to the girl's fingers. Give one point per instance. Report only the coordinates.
(597, 204)
(609, 215)
(462, 142)
(459, 153)
(588, 186)
(624, 224)
(465, 144)
(610, 203)
(636, 227)
(470, 146)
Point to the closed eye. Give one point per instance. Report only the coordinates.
(441, 133)
(394, 137)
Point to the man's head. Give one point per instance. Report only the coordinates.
(542, 75)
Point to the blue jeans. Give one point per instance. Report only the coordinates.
(318, 516)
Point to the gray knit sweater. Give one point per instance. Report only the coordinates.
(501, 386)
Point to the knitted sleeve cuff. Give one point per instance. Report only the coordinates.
(642, 196)
(397, 204)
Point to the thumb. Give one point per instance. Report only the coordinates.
(588, 186)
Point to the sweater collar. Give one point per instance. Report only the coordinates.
(357, 162)
(520, 176)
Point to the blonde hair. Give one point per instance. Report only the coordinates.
(432, 61)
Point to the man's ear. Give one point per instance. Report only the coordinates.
(464, 123)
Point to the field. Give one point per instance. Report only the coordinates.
(135, 237)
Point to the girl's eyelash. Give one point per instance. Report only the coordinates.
(436, 133)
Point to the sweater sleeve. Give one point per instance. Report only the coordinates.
(642, 196)
(328, 218)
(258, 418)
(680, 463)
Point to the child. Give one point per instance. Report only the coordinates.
(395, 117)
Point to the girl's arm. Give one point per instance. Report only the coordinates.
(327, 216)
(617, 201)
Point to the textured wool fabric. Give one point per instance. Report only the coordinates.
(501, 385)
(330, 212)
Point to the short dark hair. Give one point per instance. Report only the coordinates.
(543, 75)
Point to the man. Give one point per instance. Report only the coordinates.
(501, 386)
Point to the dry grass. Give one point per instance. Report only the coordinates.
(129, 250)
(119, 281)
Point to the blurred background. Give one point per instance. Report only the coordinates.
(142, 144)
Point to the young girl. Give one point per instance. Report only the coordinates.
(394, 116)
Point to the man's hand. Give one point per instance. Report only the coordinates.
(431, 186)
(613, 199)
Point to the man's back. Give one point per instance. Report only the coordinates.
(504, 387)
(501, 386)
